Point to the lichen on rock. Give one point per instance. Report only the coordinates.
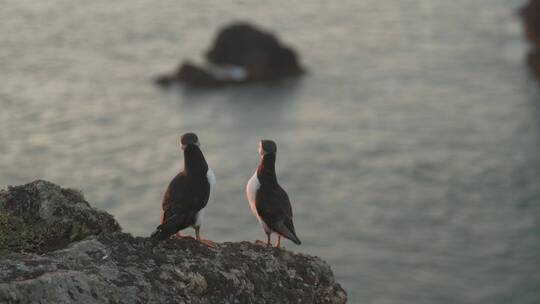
(41, 216)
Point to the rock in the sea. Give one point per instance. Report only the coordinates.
(533, 60)
(530, 15)
(260, 52)
(241, 53)
(196, 76)
(108, 266)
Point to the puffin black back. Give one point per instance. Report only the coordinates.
(195, 164)
(266, 171)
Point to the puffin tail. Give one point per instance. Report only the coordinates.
(160, 234)
(295, 239)
(164, 231)
(167, 228)
(288, 233)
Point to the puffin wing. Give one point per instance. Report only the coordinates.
(274, 208)
(174, 195)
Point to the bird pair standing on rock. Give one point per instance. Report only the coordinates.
(188, 193)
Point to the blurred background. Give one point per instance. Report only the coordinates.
(410, 151)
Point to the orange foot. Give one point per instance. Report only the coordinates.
(208, 243)
(178, 235)
(259, 242)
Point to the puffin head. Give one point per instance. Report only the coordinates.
(267, 146)
(189, 139)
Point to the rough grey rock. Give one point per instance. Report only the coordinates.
(114, 267)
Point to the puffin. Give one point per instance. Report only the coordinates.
(268, 201)
(188, 193)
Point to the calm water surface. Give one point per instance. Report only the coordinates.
(410, 151)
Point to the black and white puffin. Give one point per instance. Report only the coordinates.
(268, 201)
(188, 193)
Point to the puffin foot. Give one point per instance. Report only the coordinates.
(178, 235)
(199, 239)
(262, 243)
(208, 243)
